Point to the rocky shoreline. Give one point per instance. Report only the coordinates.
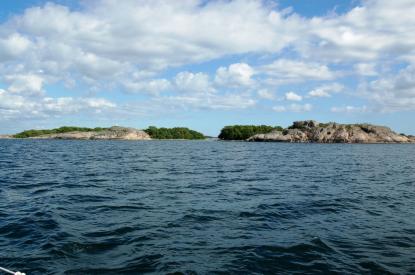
(311, 131)
(308, 131)
(112, 133)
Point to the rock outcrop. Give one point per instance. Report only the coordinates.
(6, 136)
(313, 131)
(113, 133)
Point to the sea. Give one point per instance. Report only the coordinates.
(206, 207)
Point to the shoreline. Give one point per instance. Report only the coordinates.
(307, 131)
(206, 140)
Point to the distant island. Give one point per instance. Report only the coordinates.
(308, 131)
(111, 133)
(313, 131)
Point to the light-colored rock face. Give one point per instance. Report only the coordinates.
(312, 131)
(113, 133)
(6, 136)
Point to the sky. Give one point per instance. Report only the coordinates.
(206, 64)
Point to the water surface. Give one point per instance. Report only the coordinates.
(115, 207)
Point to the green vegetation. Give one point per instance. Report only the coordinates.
(64, 129)
(173, 133)
(242, 132)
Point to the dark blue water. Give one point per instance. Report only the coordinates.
(102, 207)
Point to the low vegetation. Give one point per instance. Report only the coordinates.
(173, 133)
(64, 129)
(242, 132)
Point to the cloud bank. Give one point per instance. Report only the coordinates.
(201, 55)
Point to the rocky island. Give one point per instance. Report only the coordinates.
(111, 133)
(308, 131)
(313, 131)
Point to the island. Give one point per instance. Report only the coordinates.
(308, 131)
(311, 131)
(111, 133)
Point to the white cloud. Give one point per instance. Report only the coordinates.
(98, 103)
(133, 46)
(14, 106)
(25, 83)
(69, 105)
(215, 102)
(12, 46)
(365, 69)
(297, 71)
(394, 92)
(151, 86)
(235, 75)
(326, 90)
(279, 108)
(291, 96)
(350, 109)
(375, 30)
(193, 82)
(11, 102)
(97, 67)
(297, 108)
(155, 34)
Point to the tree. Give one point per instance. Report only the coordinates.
(173, 133)
(243, 132)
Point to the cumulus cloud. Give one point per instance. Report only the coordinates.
(213, 102)
(291, 96)
(235, 75)
(14, 106)
(193, 82)
(25, 83)
(377, 29)
(141, 45)
(297, 108)
(365, 69)
(151, 86)
(160, 34)
(392, 93)
(297, 71)
(326, 90)
(13, 46)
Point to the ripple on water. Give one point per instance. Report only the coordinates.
(103, 207)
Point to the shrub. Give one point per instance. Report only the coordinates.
(242, 132)
(173, 133)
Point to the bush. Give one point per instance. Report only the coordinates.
(173, 133)
(242, 132)
(64, 129)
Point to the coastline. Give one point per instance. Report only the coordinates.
(308, 131)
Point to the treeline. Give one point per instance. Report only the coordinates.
(173, 133)
(242, 132)
(64, 129)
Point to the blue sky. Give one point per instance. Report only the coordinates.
(206, 64)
